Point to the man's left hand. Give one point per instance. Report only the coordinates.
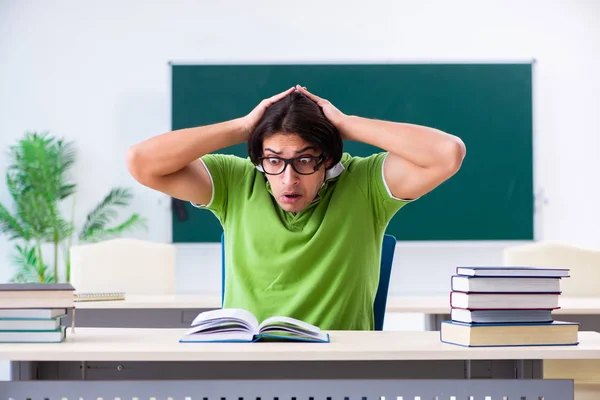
(335, 116)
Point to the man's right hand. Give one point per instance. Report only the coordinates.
(170, 163)
(251, 120)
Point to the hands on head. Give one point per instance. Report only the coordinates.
(335, 116)
(254, 116)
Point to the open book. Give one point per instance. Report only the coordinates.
(237, 325)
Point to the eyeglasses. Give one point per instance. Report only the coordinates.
(305, 165)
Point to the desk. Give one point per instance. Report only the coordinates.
(151, 311)
(354, 365)
(178, 311)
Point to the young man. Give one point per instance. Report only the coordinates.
(303, 222)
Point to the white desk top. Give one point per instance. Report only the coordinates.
(395, 304)
(154, 301)
(116, 344)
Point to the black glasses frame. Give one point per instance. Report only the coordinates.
(320, 159)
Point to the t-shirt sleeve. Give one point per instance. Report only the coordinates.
(370, 178)
(225, 171)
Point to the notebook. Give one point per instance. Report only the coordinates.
(238, 325)
(99, 296)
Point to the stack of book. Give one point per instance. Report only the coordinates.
(32, 313)
(506, 306)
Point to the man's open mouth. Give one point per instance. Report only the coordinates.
(291, 197)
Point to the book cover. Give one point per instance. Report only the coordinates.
(9, 287)
(513, 271)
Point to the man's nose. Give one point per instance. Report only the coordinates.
(289, 176)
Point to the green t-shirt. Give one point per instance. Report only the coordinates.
(320, 265)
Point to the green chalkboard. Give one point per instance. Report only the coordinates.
(489, 106)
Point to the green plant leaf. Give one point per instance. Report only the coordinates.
(132, 223)
(9, 224)
(41, 163)
(28, 268)
(34, 212)
(66, 191)
(104, 212)
(38, 180)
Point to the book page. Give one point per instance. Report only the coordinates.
(225, 325)
(219, 337)
(287, 336)
(288, 324)
(287, 331)
(226, 315)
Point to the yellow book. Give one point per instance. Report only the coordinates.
(556, 333)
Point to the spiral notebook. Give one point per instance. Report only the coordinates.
(99, 296)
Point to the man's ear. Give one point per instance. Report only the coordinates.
(328, 163)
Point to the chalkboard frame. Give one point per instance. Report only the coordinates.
(506, 214)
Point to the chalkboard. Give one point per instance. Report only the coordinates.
(489, 106)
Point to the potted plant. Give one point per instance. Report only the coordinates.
(39, 183)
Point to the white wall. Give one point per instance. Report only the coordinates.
(97, 73)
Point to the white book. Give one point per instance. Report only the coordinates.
(513, 271)
(500, 316)
(505, 285)
(32, 313)
(238, 325)
(29, 324)
(55, 336)
(36, 295)
(502, 301)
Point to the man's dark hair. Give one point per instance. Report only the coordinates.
(297, 114)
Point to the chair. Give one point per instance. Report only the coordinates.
(584, 267)
(584, 264)
(124, 265)
(385, 271)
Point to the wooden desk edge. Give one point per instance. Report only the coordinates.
(117, 344)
